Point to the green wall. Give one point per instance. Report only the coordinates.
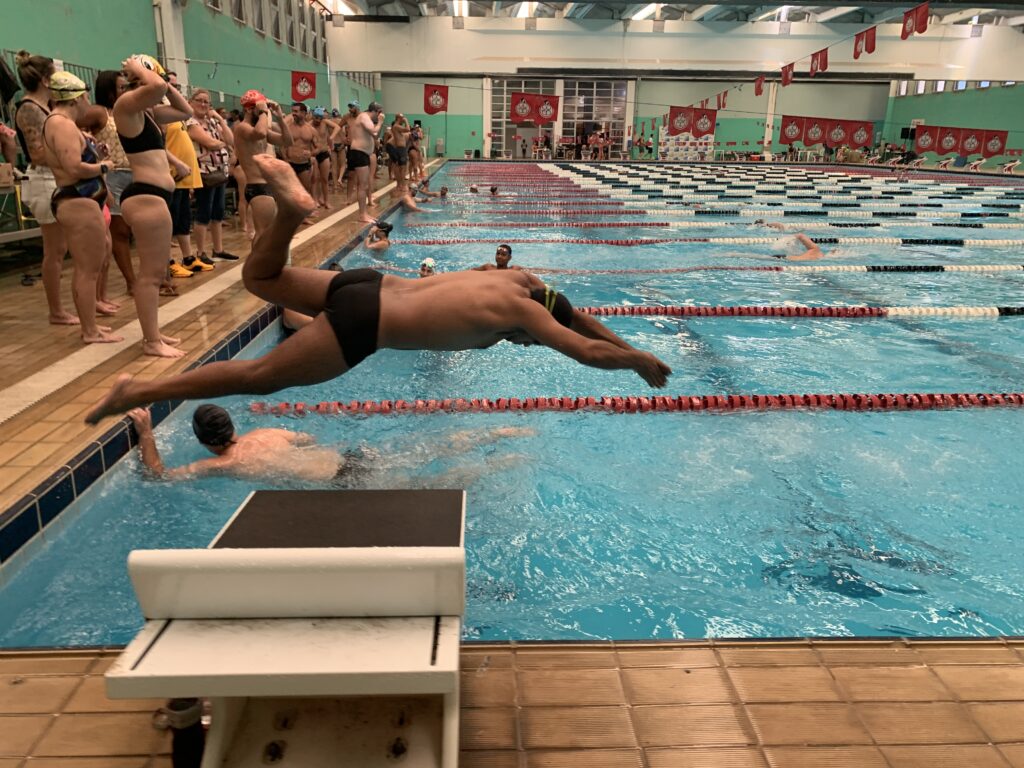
(998, 107)
(462, 127)
(243, 59)
(92, 33)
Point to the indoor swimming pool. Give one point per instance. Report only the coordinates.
(587, 525)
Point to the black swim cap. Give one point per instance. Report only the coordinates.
(212, 425)
(555, 303)
(385, 227)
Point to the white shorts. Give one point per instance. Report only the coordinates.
(36, 190)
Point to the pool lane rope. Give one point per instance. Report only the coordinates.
(800, 311)
(876, 268)
(912, 401)
(628, 242)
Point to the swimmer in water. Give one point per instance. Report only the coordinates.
(377, 238)
(796, 247)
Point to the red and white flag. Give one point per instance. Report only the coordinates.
(949, 140)
(915, 21)
(703, 122)
(303, 86)
(926, 139)
(864, 42)
(787, 75)
(545, 109)
(435, 98)
(995, 143)
(759, 86)
(721, 99)
(521, 108)
(704, 103)
(819, 61)
(792, 130)
(680, 120)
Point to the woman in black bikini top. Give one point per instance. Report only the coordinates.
(144, 202)
(78, 201)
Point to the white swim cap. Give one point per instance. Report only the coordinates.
(429, 263)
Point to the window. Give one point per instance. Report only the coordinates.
(257, 17)
(590, 104)
(214, 4)
(505, 130)
(920, 87)
(289, 22)
(960, 85)
(321, 33)
(238, 10)
(1007, 83)
(302, 41)
(984, 83)
(903, 87)
(275, 19)
(940, 86)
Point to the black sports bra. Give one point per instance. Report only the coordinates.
(17, 128)
(148, 138)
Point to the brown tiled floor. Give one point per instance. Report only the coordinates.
(797, 704)
(40, 439)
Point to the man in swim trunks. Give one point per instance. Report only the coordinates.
(362, 133)
(399, 150)
(253, 135)
(300, 153)
(360, 311)
(502, 257)
(325, 134)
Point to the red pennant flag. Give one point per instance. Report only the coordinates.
(915, 21)
(303, 86)
(704, 103)
(787, 75)
(521, 108)
(435, 98)
(819, 61)
(926, 139)
(704, 122)
(994, 143)
(792, 130)
(949, 140)
(545, 109)
(721, 98)
(864, 42)
(759, 86)
(680, 120)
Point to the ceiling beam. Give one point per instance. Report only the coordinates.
(1014, 21)
(835, 13)
(580, 10)
(702, 11)
(967, 13)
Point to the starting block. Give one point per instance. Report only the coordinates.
(322, 625)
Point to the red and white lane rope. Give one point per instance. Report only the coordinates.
(912, 401)
(915, 241)
(800, 311)
(886, 268)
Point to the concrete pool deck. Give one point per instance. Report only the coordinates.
(702, 704)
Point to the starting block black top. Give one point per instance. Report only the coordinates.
(300, 519)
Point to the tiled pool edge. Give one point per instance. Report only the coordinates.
(24, 521)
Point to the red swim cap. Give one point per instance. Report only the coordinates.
(252, 98)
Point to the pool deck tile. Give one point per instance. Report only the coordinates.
(562, 704)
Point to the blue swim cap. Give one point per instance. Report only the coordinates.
(318, 112)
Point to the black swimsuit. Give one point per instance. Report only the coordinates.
(353, 310)
(89, 189)
(148, 139)
(256, 190)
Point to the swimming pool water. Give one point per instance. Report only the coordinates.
(650, 525)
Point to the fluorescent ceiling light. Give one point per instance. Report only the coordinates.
(344, 8)
(462, 7)
(769, 14)
(645, 12)
(526, 9)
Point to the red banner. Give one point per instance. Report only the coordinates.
(864, 42)
(971, 141)
(704, 122)
(792, 130)
(720, 99)
(995, 143)
(861, 134)
(949, 140)
(435, 98)
(819, 61)
(787, 75)
(815, 130)
(545, 109)
(521, 108)
(680, 120)
(303, 86)
(915, 21)
(926, 139)
(759, 86)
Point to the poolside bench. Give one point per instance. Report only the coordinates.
(325, 622)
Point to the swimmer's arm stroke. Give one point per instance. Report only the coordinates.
(597, 353)
(150, 455)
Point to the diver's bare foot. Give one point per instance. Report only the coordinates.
(288, 191)
(109, 303)
(104, 328)
(159, 349)
(170, 340)
(65, 318)
(112, 402)
(368, 220)
(101, 337)
(106, 309)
